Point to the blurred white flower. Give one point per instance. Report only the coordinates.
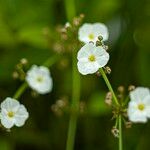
(13, 113)
(91, 58)
(39, 79)
(139, 106)
(90, 32)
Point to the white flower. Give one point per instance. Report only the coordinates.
(39, 79)
(91, 58)
(90, 32)
(139, 106)
(13, 113)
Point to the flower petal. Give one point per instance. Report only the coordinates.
(10, 104)
(6, 122)
(139, 94)
(21, 116)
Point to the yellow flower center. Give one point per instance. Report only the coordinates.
(10, 114)
(91, 36)
(39, 79)
(141, 107)
(91, 58)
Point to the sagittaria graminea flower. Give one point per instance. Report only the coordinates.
(139, 106)
(91, 58)
(90, 32)
(13, 113)
(39, 79)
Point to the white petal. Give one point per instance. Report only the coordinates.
(21, 116)
(138, 117)
(96, 29)
(84, 32)
(6, 122)
(139, 94)
(134, 114)
(146, 101)
(100, 29)
(102, 57)
(10, 104)
(87, 68)
(85, 51)
(43, 87)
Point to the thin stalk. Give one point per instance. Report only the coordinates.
(74, 105)
(20, 91)
(70, 9)
(71, 12)
(51, 60)
(120, 133)
(117, 103)
(109, 86)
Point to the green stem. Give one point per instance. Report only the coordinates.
(71, 12)
(51, 60)
(20, 91)
(120, 133)
(109, 86)
(117, 103)
(74, 105)
(70, 9)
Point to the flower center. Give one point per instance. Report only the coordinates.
(10, 114)
(39, 79)
(141, 107)
(91, 36)
(91, 58)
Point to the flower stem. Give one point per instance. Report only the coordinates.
(20, 91)
(74, 105)
(117, 103)
(109, 86)
(71, 12)
(51, 60)
(70, 9)
(120, 133)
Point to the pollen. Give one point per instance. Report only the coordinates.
(10, 114)
(39, 79)
(91, 58)
(141, 107)
(91, 36)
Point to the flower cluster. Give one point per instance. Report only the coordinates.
(91, 57)
(14, 113)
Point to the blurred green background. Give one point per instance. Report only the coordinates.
(22, 27)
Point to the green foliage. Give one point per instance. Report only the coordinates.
(23, 34)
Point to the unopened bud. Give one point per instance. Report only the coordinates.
(15, 75)
(105, 47)
(131, 87)
(108, 99)
(67, 25)
(115, 132)
(100, 38)
(98, 74)
(108, 70)
(121, 89)
(82, 16)
(24, 61)
(98, 43)
(128, 124)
